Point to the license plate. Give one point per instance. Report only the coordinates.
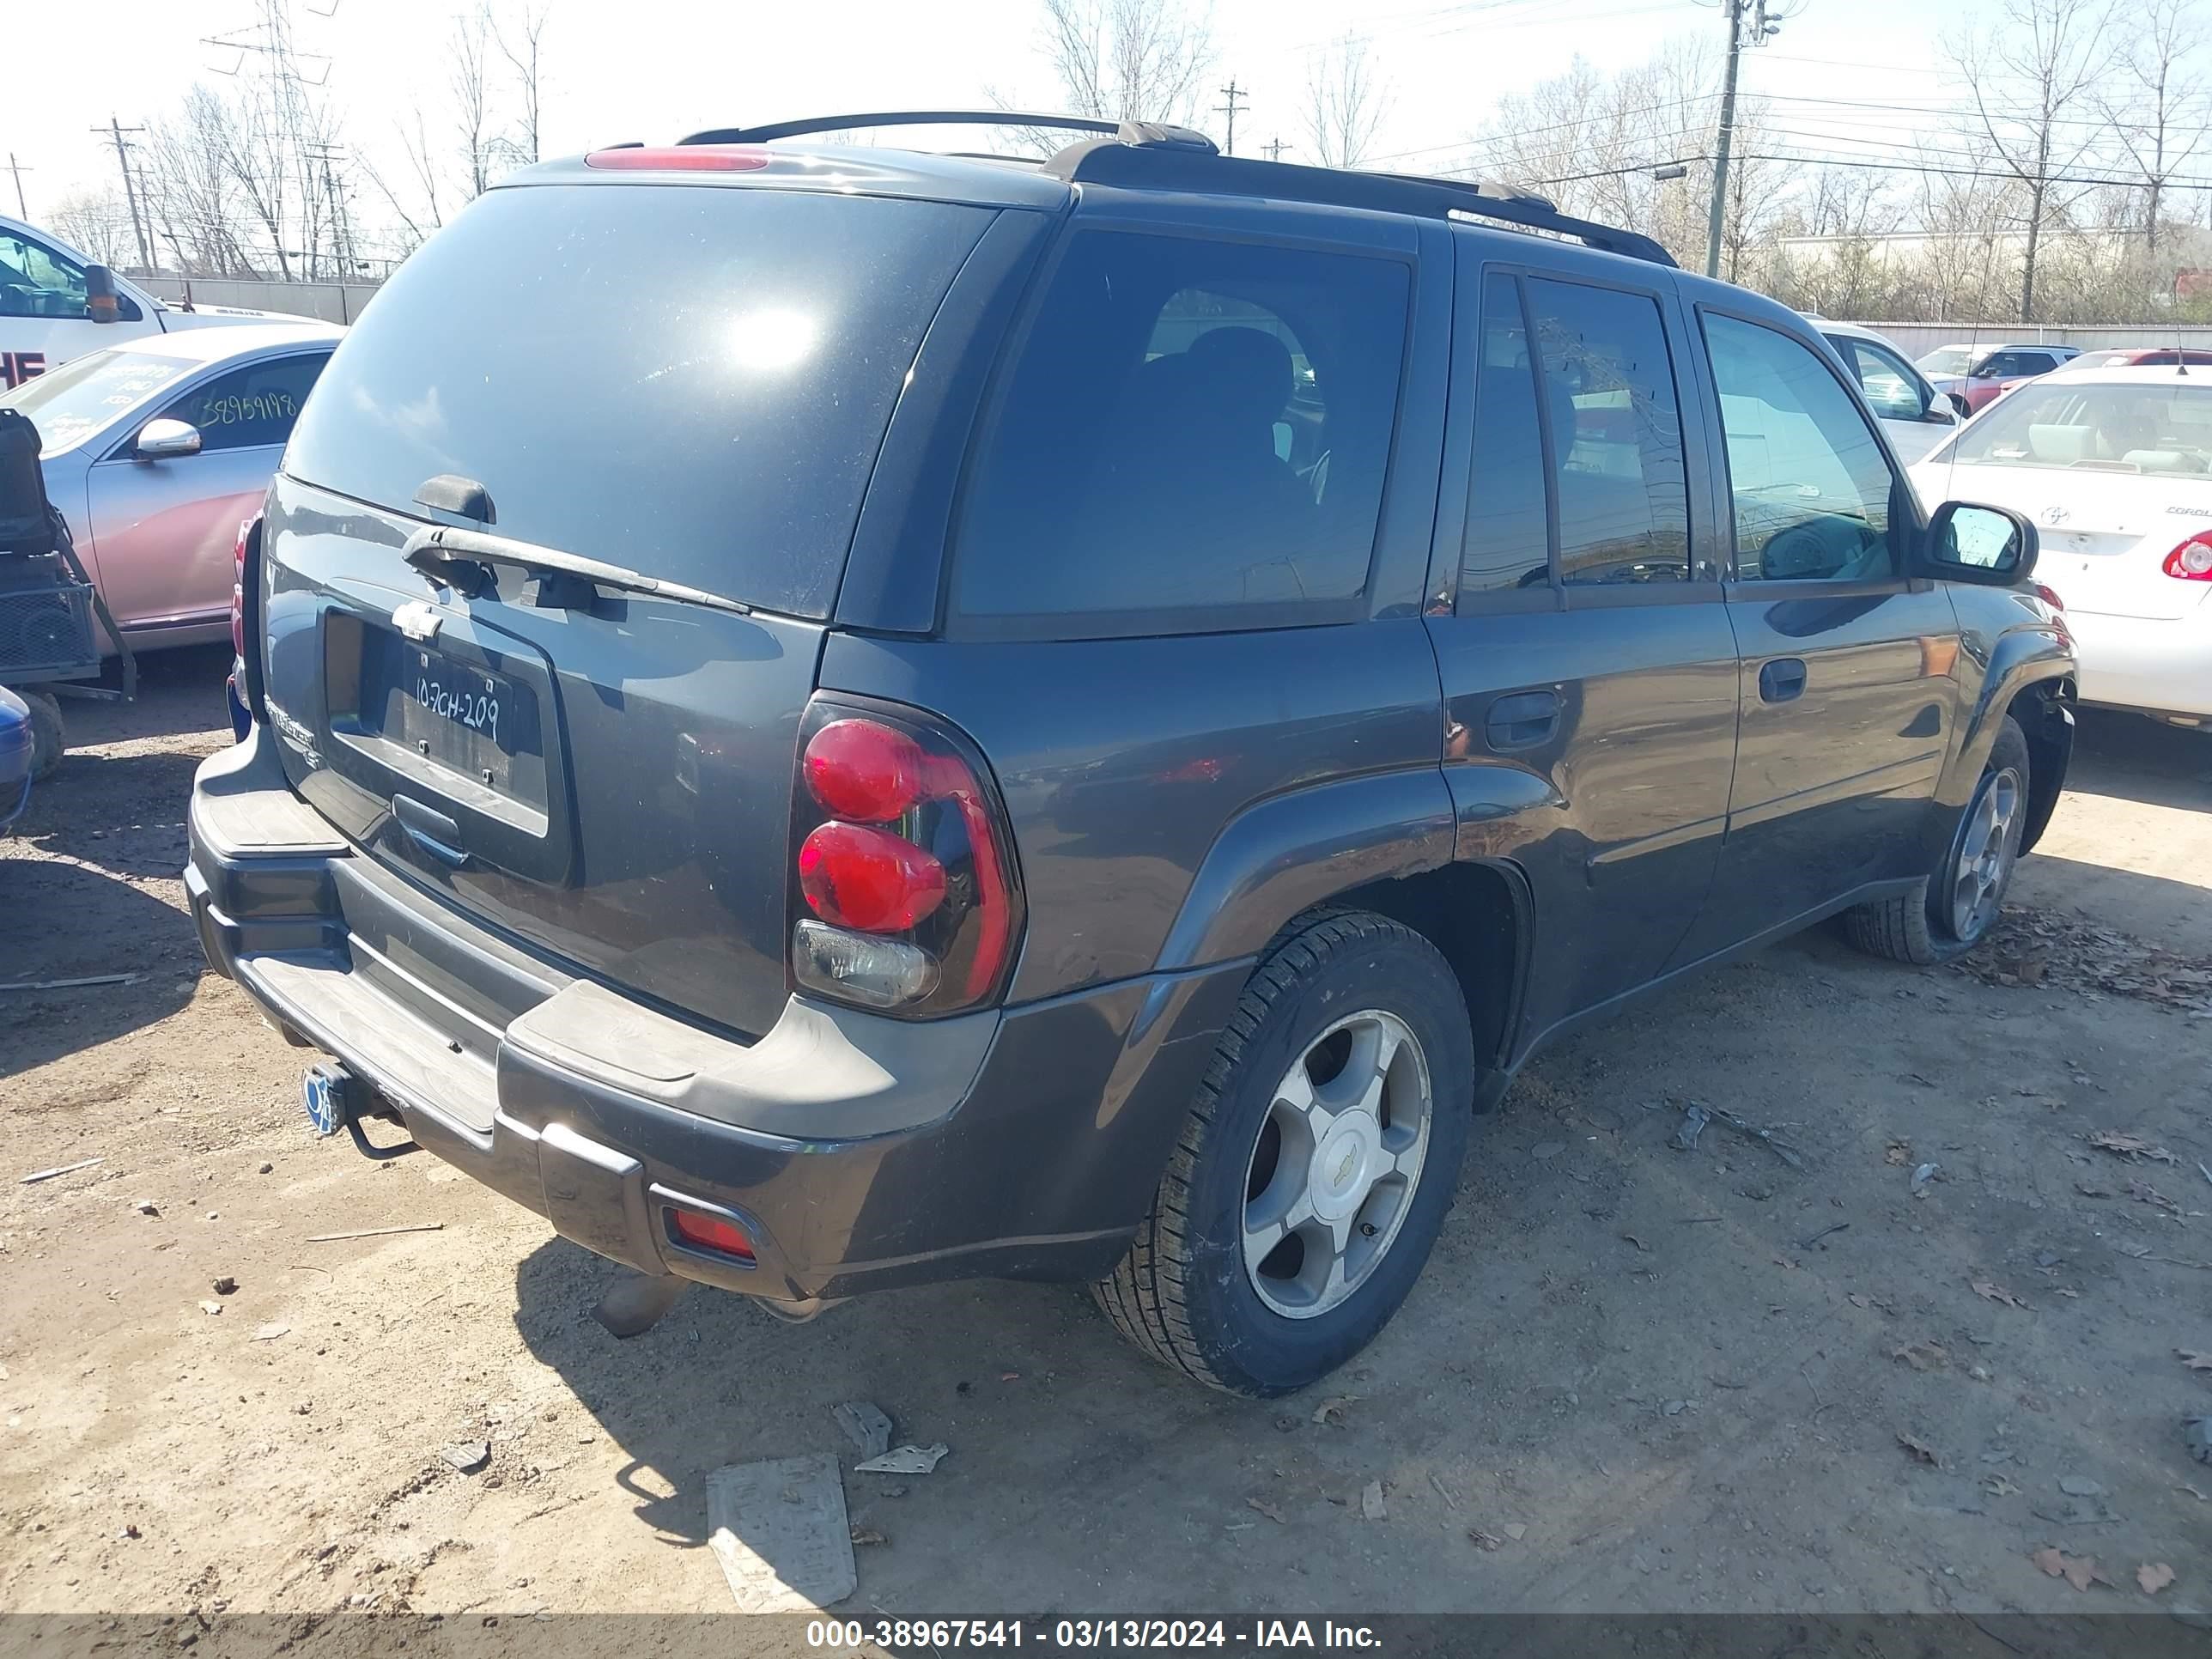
(466, 698)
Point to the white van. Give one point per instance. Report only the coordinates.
(48, 309)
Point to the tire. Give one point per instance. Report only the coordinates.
(1923, 926)
(45, 731)
(1348, 983)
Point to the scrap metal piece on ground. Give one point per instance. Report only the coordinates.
(780, 1530)
(1694, 1119)
(907, 1460)
(865, 1425)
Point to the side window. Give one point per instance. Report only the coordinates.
(1506, 530)
(1888, 387)
(37, 282)
(1810, 486)
(1191, 425)
(249, 407)
(1609, 395)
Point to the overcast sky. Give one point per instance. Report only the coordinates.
(654, 69)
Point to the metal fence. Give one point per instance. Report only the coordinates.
(333, 302)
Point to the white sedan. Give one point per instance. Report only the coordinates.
(2114, 467)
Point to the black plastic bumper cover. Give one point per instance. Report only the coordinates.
(858, 1152)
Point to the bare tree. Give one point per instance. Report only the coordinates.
(1344, 107)
(2163, 126)
(1129, 60)
(468, 89)
(521, 42)
(97, 222)
(2053, 51)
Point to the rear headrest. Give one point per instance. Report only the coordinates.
(1249, 367)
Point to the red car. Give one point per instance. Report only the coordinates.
(1972, 376)
(2139, 357)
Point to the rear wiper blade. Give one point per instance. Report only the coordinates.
(458, 557)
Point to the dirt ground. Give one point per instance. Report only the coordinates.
(1633, 1378)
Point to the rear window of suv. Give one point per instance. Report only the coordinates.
(1195, 433)
(691, 381)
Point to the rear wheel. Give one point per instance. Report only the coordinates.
(45, 731)
(1316, 1166)
(1949, 914)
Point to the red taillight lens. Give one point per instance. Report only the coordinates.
(238, 589)
(899, 848)
(683, 158)
(2049, 595)
(708, 1232)
(2191, 561)
(864, 770)
(856, 876)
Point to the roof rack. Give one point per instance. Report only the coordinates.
(1142, 153)
(1136, 134)
(1105, 162)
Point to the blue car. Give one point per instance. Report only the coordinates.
(16, 744)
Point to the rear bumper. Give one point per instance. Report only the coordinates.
(859, 1153)
(2154, 665)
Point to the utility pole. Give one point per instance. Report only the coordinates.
(1763, 26)
(116, 130)
(19, 170)
(1733, 10)
(1274, 147)
(1232, 92)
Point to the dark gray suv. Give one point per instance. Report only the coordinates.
(834, 718)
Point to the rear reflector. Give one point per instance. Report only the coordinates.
(711, 1233)
(683, 158)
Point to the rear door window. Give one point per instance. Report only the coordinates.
(1194, 432)
(1505, 548)
(693, 381)
(1608, 390)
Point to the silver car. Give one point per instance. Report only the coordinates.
(1914, 415)
(156, 449)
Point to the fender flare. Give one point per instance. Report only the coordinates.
(1288, 853)
(2021, 658)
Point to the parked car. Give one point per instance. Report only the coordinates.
(18, 756)
(2115, 466)
(1973, 377)
(914, 779)
(155, 450)
(2138, 357)
(1914, 415)
(55, 303)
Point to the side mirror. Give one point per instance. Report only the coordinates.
(1993, 546)
(100, 302)
(1959, 406)
(167, 440)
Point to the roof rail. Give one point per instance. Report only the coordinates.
(1105, 161)
(1142, 135)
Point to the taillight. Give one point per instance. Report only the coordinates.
(2049, 595)
(905, 891)
(238, 589)
(2191, 561)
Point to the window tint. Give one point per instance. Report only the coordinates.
(1608, 391)
(250, 406)
(69, 403)
(1888, 387)
(37, 282)
(1810, 486)
(1191, 425)
(1506, 530)
(691, 382)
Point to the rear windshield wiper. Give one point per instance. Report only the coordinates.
(459, 558)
